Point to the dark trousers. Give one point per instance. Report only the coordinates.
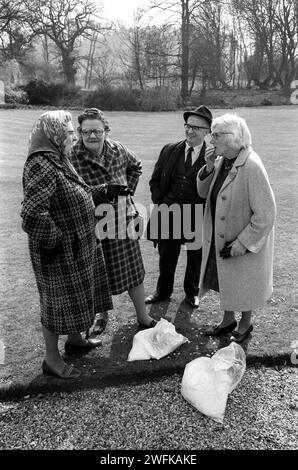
(169, 251)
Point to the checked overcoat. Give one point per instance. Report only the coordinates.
(58, 216)
(117, 165)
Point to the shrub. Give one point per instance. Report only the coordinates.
(113, 99)
(158, 99)
(16, 96)
(56, 94)
(40, 92)
(118, 99)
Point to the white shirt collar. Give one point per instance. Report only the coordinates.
(196, 150)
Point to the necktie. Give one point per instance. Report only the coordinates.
(188, 161)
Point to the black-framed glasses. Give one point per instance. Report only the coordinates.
(97, 132)
(189, 127)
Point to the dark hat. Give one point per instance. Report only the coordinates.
(201, 111)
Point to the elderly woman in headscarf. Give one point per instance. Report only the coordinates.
(58, 216)
(238, 226)
(100, 160)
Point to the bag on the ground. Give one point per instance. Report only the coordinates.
(207, 382)
(155, 343)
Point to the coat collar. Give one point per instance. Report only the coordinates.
(62, 166)
(242, 156)
(106, 160)
(240, 161)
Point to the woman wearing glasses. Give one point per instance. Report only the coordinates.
(238, 226)
(100, 160)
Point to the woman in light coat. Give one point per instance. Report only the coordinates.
(238, 225)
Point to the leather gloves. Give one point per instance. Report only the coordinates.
(115, 190)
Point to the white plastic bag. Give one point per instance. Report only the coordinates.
(155, 343)
(207, 382)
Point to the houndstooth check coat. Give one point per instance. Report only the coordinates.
(119, 165)
(58, 216)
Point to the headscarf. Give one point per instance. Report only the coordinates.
(49, 133)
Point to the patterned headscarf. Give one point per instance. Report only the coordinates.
(49, 133)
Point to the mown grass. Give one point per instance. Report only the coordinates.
(275, 138)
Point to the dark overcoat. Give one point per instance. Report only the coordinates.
(58, 216)
(161, 180)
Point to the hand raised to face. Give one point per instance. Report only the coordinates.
(210, 157)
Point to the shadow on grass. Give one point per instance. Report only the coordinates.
(108, 366)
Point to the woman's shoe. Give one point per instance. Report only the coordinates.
(68, 371)
(237, 337)
(151, 324)
(221, 330)
(99, 327)
(72, 348)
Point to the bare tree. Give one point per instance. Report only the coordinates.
(212, 44)
(15, 39)
(161, 50)
(286, 22)
(181, 13)
(133, 41)
(65, 23)
(273, 25)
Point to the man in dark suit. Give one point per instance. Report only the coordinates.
(173, 182)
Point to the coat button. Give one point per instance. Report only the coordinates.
(221, 235)
(223, 198)
(223, 218)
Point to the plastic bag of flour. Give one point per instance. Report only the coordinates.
(206, 382)
(155, 343)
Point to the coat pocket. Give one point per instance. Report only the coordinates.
(75, 246)
(49, 256)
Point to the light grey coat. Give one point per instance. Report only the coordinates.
(245, 209)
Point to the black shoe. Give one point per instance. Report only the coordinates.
(238, 337)
(151, 299)
(71, 348)
(194, 301)
(221, 330)
(151, 324)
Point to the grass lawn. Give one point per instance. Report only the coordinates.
(275, 139)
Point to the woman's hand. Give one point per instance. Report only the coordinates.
(210, 158)
(237, 248)
(115, 190)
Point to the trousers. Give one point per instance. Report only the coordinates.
(169, 251)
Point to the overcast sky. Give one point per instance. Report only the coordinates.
(120, 9)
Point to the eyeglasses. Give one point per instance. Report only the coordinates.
(97, 132)
(188, 127)
(216, 135)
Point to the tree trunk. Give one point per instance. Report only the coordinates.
(185, 50)
(68, 67)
